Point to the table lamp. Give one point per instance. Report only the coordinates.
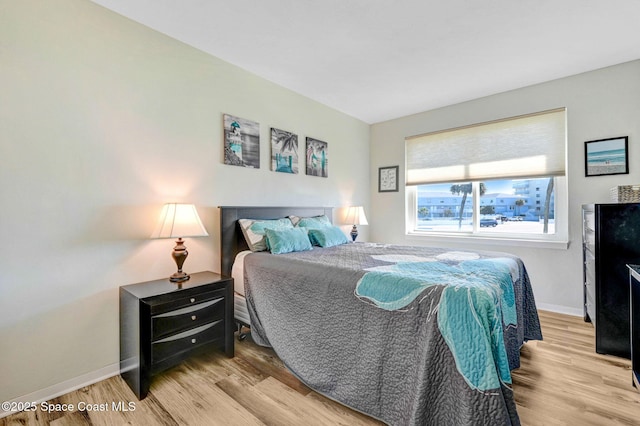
(179, 221)
(355, 216)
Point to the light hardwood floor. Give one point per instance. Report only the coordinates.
(562, 381)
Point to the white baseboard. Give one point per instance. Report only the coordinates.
(67, 386)
(560, 309)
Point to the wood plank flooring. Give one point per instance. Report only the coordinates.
(562, 381)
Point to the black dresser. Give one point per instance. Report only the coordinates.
(162, 323)
(610, 241)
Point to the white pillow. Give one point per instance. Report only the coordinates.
(311, 222)
(254, 234)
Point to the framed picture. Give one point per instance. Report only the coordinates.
(284, 151)
(241, 142)
(388, 179)
(317, 158)
(606, 157)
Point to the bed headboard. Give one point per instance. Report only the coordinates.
(231, 239)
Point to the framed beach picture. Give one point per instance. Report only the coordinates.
(284, 151)
(317, 158)
(241, 142)
(606, 156)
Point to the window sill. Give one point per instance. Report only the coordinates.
(488, 240)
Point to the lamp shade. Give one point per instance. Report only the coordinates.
(179, 220)
(356, 216)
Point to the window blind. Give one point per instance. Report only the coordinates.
(525, 146)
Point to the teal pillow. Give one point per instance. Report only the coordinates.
(287, 240)
(311, 222)
(254, 231)
(328, 236)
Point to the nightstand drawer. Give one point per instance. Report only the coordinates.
(169, 302)
(163, 325)
(186, 341)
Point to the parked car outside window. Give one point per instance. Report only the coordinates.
(488, 222)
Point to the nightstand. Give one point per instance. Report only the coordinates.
(162, 323)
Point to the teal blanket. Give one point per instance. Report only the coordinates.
(478, 297)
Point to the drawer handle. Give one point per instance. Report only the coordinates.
(193, 317)
(193, 299)
(193, 340)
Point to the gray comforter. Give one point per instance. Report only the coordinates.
(393, 365)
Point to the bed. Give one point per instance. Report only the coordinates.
(431, 354)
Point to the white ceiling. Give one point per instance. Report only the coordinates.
(377, 60)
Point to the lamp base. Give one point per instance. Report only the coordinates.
(179, 277)
(354, 233)
(179, 254)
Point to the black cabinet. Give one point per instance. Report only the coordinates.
(611, 240)
(162, 323)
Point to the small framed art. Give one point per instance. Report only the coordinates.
(284, 151)
(388, 179)
(317, 158)
(241, 142)
(606, 157)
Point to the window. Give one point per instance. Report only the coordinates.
(504, 179)
(513, 215)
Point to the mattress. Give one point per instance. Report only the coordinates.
(240, 312)
(237, 272)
